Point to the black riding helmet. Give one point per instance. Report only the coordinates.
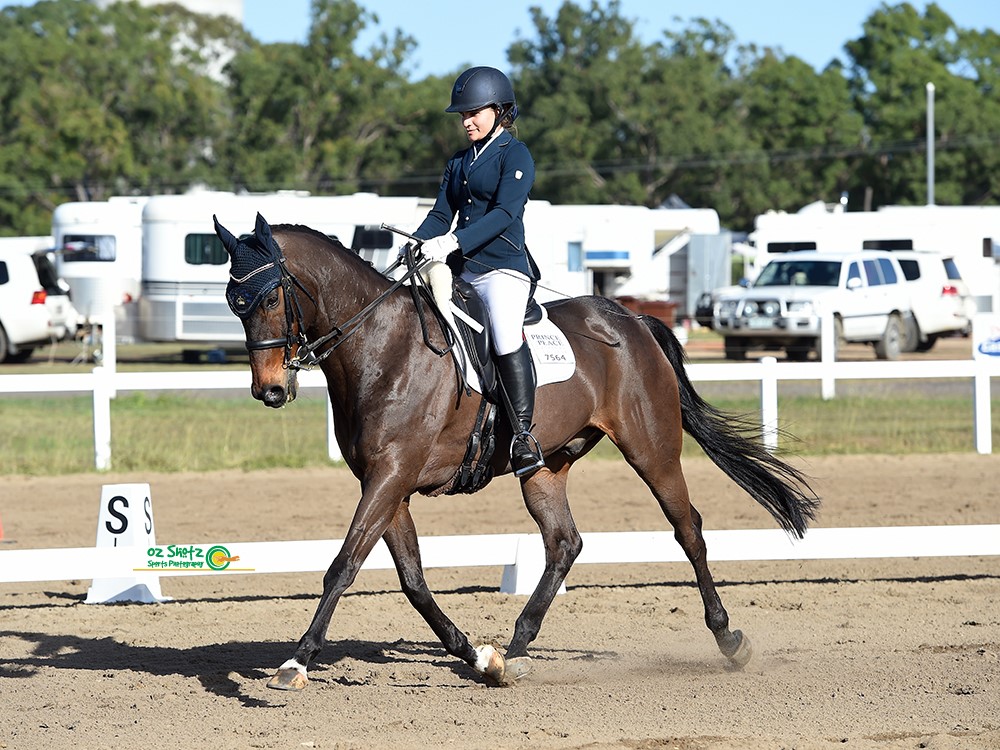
(482, 87)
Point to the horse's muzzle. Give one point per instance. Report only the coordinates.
(276, 395)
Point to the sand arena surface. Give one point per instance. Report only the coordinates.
(884, 654)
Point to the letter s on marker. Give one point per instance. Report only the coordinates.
(117, 514)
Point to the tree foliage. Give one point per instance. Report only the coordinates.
(126, 99)
(102, 101)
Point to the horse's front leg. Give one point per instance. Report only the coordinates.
(401, 539)
(376, 509)
(545, 497)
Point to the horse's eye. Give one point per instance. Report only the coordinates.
(271, 302)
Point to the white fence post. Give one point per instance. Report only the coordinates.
(769, 402)
(982, 418)
(828, 355)
(109, 349)
(103, 387)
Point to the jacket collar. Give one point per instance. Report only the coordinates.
(492, 150)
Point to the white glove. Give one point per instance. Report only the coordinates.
(441, 247)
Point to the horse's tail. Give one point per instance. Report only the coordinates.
(781, 488)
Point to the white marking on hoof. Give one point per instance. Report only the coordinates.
(293, 664)
(490, 663)
(290, 676)
(484, 654)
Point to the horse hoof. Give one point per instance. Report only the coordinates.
(490, 664)
(288, 679)
(743, 653)
(516, 668)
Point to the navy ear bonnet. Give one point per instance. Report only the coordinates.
(255, 267)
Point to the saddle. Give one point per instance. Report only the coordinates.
(477, 338)
(472, 326)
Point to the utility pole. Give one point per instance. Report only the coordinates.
(930, 144)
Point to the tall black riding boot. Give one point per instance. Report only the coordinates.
(517, 377)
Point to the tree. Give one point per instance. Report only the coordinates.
(97, 102)
(319, 116)
(611, 120)
(805, 126)
(898, 54)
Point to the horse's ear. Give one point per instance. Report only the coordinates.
(263, 231)
(228, 240)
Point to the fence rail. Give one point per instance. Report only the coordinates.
(521, 555)
(103, 383)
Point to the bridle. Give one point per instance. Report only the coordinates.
(306, 357)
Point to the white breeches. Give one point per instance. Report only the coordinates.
(505, 293)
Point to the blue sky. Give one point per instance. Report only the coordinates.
(814, 31)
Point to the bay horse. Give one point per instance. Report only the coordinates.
(403, 425)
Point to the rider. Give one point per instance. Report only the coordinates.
(486, 185)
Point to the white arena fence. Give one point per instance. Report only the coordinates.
(126, 572)
(104, 382)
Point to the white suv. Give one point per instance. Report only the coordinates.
(940, 299)
(783, 308)
(35, 308)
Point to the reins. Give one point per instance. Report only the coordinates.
(306, 357)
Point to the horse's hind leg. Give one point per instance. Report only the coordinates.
(733, 644)
(664, 477)
(545, 498)
(401, 539)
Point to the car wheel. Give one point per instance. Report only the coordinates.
(912, 339)
(3, 345)
(839, 340)
(926, 346)
(891, 343)
(735, 348)
(21, 355)
(799, 353)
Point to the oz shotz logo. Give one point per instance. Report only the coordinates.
(190, 557)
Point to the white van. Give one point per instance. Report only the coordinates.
(99, 254)
(35, 308)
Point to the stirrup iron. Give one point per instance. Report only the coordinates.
(534, 454)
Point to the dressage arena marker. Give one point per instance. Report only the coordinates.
(126, 564)
(125, 520)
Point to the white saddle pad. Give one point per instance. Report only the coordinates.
(550, 350)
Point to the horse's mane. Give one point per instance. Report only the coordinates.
(328, 243)
(302, 229)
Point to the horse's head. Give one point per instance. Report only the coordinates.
(261, 293)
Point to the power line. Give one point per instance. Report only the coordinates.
(673, 162)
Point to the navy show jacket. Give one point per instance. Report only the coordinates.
(488, 196)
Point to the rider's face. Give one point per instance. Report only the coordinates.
(478, 123)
